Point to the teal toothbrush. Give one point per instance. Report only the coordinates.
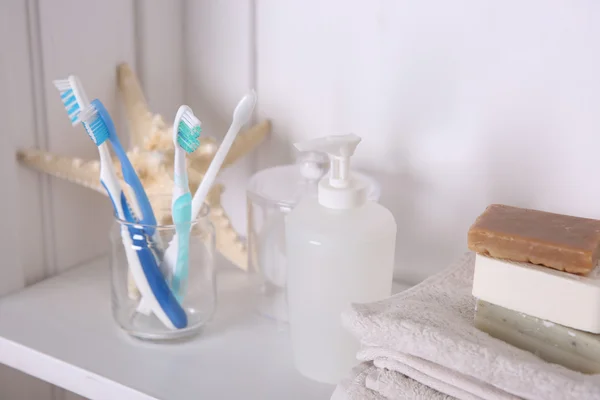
(186, 133)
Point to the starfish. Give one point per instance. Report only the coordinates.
(151, 153)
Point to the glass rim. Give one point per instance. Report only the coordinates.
(203, 214)
(284, 205)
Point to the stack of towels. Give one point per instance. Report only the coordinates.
(422, 344)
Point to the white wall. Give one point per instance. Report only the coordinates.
(459, 103)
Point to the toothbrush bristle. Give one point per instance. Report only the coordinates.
(94, 125)
(69, 100)
(188, 132)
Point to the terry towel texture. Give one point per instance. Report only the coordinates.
(422, 341)
(371, 383)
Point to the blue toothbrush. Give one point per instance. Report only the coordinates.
(131, 178)
(148, 278)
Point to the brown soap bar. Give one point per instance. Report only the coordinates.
(557, 241)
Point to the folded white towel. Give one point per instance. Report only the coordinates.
(426, 333)
(371, 383)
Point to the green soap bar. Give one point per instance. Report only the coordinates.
(577, 350)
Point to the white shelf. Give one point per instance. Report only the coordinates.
(62, 331)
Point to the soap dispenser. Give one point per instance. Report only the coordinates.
(340, 249)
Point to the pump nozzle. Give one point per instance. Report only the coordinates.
(335, 145)
(337, 190)
(339, 148)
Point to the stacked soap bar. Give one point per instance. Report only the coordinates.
(541, 265)
(552, 295)
(562, 242)
(552, 342)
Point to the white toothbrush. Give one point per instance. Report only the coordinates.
(241, 115)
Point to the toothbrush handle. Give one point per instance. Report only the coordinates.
(136, 240)
(132, 179)
(156, 281)
(129, 174)
(179, 283)
(182, 214)
(109, 181)
(213, 168)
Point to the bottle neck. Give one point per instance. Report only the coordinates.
(352, 195)
(339, 172)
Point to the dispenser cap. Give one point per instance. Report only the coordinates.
(339, 190)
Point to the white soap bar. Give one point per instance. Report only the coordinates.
(560, 297)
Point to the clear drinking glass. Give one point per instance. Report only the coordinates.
(199, 301)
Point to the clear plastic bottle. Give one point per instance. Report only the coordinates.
(340, 249)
